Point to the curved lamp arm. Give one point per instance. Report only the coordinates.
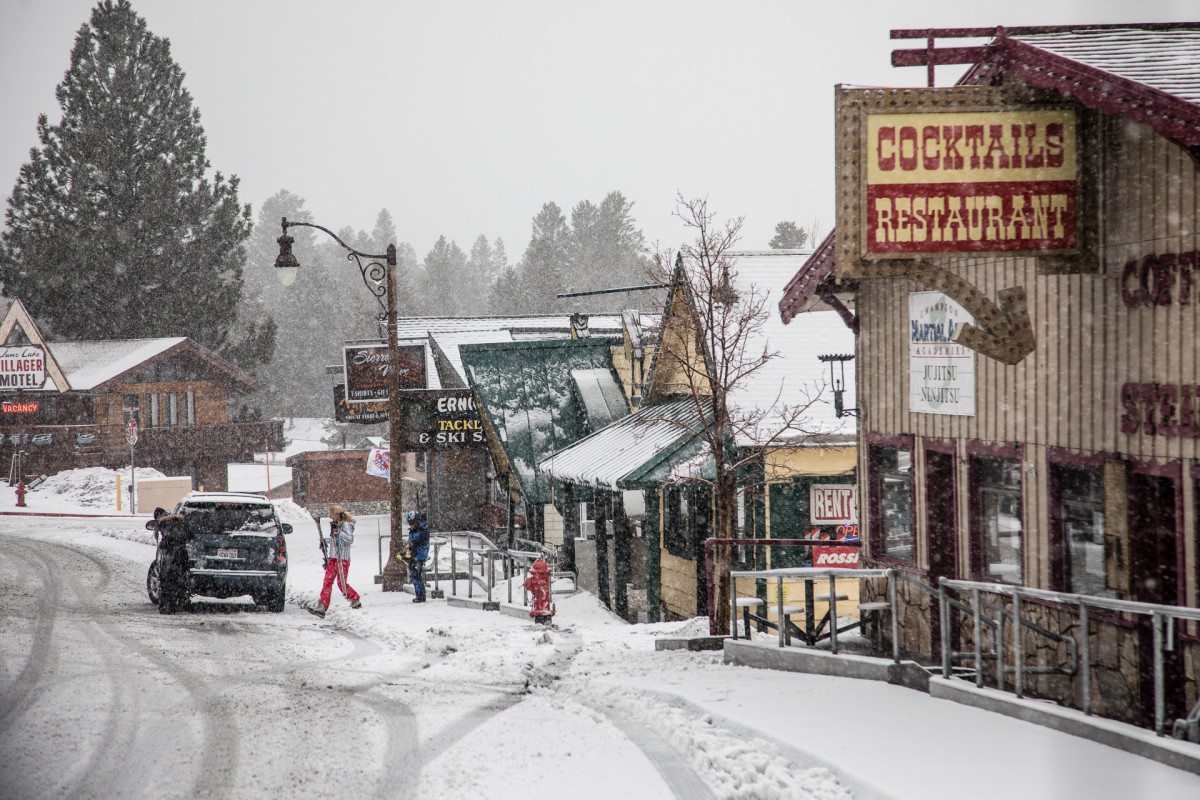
(370, 266)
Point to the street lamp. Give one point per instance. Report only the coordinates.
(379, 276)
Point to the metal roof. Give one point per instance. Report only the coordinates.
(600, 395)
(628, 448)
(526, 394)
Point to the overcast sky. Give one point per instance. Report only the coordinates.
(463, 118)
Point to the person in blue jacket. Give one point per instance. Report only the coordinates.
(418, 550)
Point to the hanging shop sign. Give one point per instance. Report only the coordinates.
(943, 172)
(366, 369)
(941, 372)
(362, 413)
(970, 182)
(442, 419)
(22, 367)
(833, 503)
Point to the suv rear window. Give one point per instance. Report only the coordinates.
(212, 517)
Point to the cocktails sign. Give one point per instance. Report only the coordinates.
(968, 182)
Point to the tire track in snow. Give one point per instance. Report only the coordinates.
(21, 692)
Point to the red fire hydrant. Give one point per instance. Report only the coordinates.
(21, 494)
(538, 584)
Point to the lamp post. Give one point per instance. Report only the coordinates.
(379, 276)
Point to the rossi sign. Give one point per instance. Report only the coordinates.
(971, 181)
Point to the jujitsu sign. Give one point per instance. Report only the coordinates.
(971, 181)
(22, 367)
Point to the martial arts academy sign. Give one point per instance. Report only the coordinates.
(969, 182)
(941, 373)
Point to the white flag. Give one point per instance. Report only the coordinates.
(379, 462)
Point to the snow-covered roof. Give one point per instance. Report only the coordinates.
(449, 333)
(91, 364)
(796, 373)
(1147, 72)
(616, 452)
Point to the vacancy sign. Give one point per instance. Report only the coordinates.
(22, 367)
(833, 503)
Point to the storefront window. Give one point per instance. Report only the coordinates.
(1081, 504)
(998, 482)
(893, 520)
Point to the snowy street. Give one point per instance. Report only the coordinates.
(101, 696)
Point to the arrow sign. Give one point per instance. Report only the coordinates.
(1002, 332)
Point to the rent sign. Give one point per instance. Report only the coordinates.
(22, 367)
(833, 503)
(970, 181)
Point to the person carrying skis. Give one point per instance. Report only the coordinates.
(418, 551)
(342, 534)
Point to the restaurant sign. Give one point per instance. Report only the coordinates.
(22, 367)
(972, 181)
(366, 369)
(941, 372)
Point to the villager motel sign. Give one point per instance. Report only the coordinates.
(22, 367)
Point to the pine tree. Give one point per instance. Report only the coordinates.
(445, 288)
(114, 229)
(544, 263)
(788, 236)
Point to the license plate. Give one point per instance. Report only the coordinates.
(227, 553)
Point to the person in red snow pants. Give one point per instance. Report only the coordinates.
(339, 561)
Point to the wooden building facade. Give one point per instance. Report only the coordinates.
(1075, 465)
(180, 395)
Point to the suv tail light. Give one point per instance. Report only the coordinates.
(281, 547)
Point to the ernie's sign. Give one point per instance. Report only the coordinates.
(970, 181)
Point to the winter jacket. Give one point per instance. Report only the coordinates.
(343, 537)
(418, 541)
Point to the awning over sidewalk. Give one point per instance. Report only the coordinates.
(637, 452)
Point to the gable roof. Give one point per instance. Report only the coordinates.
(525, 394)
(100, 365)
(1146, 71)
(17, 316)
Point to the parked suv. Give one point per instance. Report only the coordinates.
(218, 544)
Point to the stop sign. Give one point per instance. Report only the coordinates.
(131, 432)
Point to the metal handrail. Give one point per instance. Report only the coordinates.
(1160, 614)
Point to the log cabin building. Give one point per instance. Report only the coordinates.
(1019, 254)
(66, 405)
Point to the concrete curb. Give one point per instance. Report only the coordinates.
(1130, 738)
(1122, 736)
(819, 662)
